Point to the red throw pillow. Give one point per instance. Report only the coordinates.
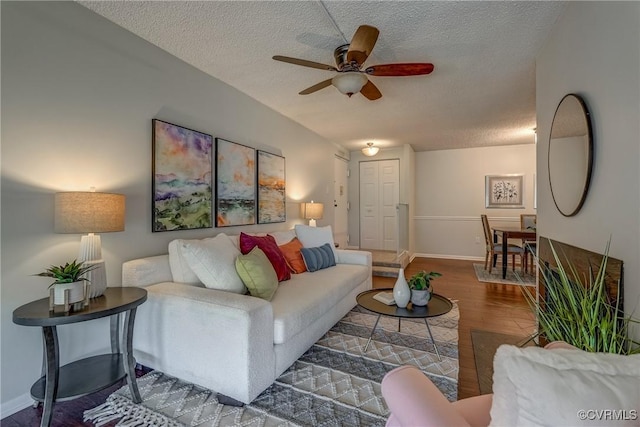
(270, 248)
(292, 254)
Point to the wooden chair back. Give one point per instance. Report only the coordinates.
(487, 230)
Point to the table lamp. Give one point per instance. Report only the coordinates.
(90, 212)
(312, 211)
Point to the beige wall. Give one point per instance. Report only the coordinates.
(594, 51)
(450, 197)
(78, 96)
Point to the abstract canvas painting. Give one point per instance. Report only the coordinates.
(271, 188)
(504, 191)
(235, 184)
(182, 178)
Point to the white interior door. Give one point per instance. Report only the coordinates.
(379, 198)
(369, 206)
(340, 198)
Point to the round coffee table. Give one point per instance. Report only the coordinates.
(438, 305)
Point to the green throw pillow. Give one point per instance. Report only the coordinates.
(257, 274)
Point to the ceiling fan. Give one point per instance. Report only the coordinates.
(352, 77)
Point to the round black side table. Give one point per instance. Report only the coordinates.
(438, 305)
(91, 374)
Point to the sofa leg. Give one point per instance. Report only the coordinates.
(226, 400)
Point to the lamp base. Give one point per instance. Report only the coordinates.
(91, 254)
(97, 278)
(312, 223)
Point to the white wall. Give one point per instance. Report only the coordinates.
(78, 96)
(450, 197)
(594, 51)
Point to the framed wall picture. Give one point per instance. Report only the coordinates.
(504, 191)
(182, 178)
(271, 188)
(235, 184)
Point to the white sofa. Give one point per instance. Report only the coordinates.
(237, 345)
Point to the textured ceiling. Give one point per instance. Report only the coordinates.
(481, 93)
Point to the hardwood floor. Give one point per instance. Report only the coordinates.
(491, 307)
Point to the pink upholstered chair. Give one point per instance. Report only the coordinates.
(414, 400)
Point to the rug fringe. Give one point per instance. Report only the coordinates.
(130, 414)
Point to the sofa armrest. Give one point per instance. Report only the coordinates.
(345, 256)
(415, 401)
(220, 340)
(143, 272)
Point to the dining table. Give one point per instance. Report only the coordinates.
(511, 233)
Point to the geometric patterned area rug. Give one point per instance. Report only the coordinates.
(512, 278)
(334, 383)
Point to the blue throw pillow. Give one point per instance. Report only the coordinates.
(318, 258)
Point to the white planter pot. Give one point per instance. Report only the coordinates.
(420, 297)
(76, 292)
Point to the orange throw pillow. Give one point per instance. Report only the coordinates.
(292, 254)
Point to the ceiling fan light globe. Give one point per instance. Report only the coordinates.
(350, 82)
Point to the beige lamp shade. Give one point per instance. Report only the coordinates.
(312, 210)
(88, 212)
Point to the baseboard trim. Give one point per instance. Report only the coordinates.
(445, 256)
(15, 405)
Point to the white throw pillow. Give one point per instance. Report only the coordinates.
(213, 261)
(313, 237)
(537, 387)
(283, 237)
(180, 269)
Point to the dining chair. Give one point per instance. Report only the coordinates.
(495, 248)
(528, 221)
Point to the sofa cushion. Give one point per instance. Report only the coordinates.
(307, 297)
(257, 274)
(581, 384)
(312, 237)
(213, 261)
(270, 249)
(318, 258)
(292, 254)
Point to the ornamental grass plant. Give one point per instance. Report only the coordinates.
(578, 310)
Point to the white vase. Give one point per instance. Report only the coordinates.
(401, 291)
(76, 292)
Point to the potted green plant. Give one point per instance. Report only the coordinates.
(67, 276)
(420, 285)
(578, 310)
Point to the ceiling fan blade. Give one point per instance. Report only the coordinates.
(362, 43)
(371, 91)
(395, 70)
(305, 63)
(316, 87)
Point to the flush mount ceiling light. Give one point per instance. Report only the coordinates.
(370, 150)
(350, 82)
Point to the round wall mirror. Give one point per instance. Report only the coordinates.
(570, 155)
